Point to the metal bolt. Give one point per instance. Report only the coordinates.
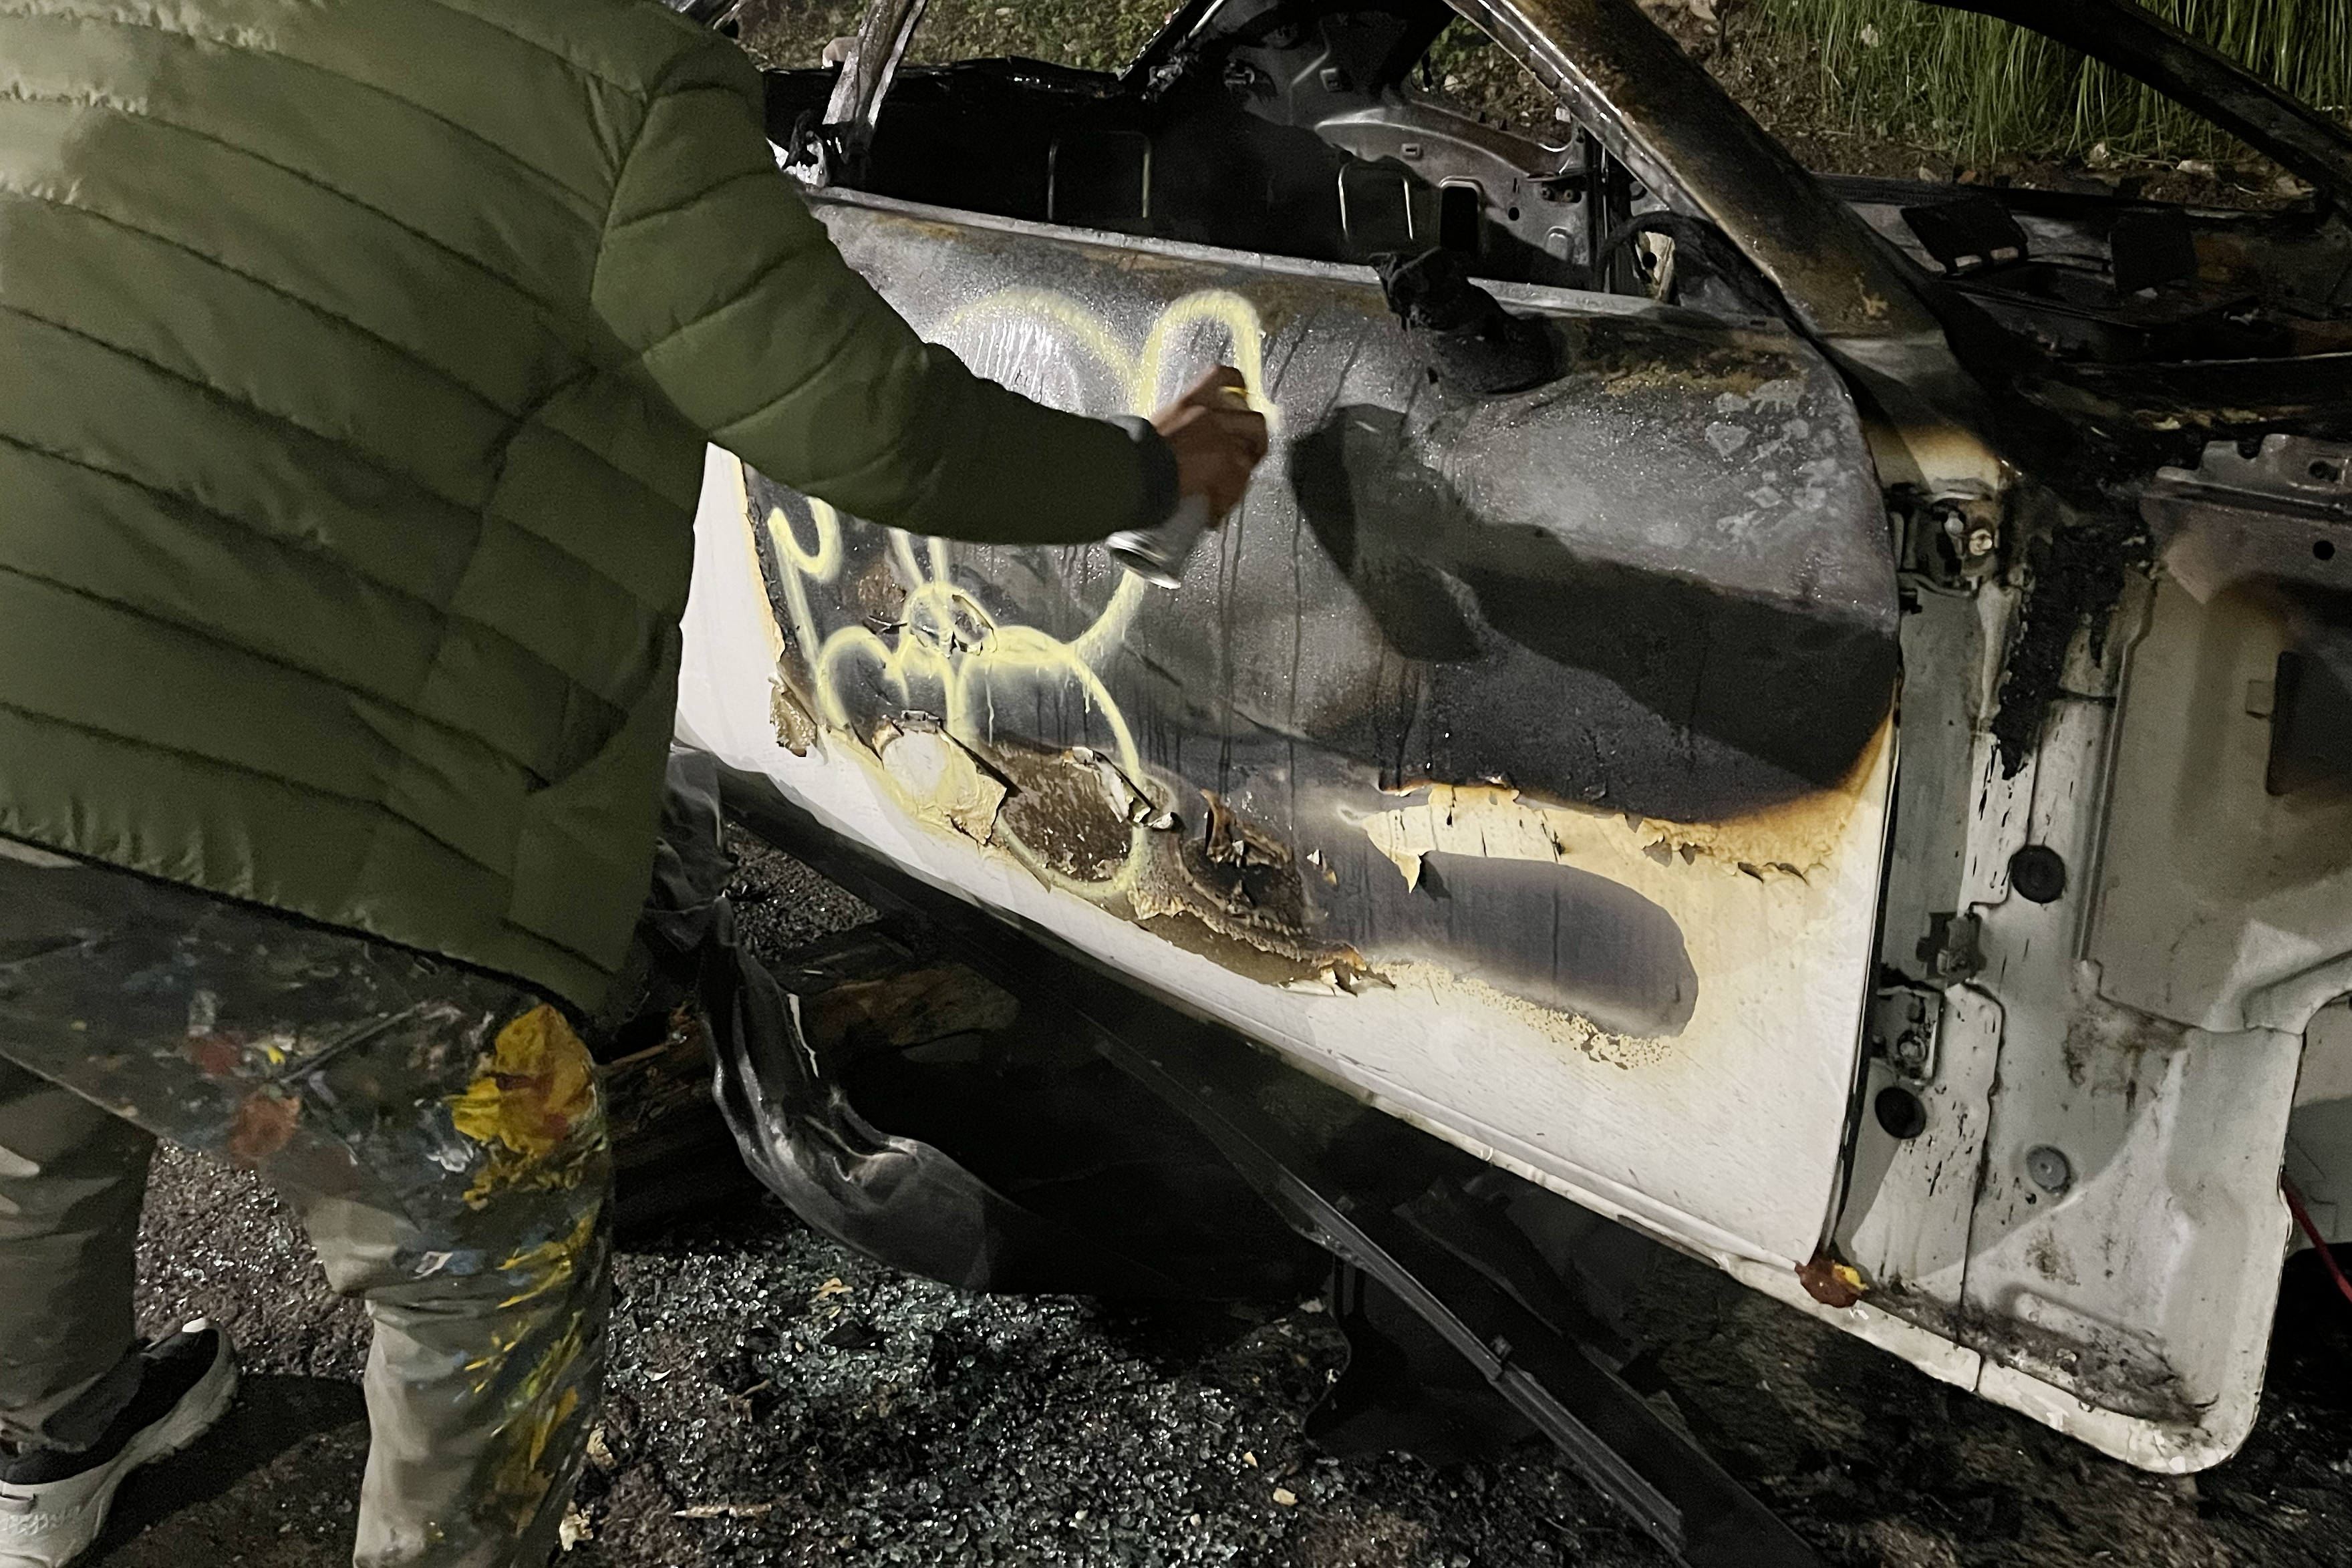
(2052, 1171)
(1980, 541)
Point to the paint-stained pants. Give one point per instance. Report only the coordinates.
(438, 1130)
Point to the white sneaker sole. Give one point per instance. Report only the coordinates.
(67, 1517)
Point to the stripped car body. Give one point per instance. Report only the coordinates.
(1843, 776)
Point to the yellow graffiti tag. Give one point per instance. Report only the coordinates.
(948, 655)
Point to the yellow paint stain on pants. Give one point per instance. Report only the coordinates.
(537, 1087)
(548, 1264)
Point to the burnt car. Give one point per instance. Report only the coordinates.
(1811, 717)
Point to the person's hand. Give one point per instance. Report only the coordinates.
(1217, 439)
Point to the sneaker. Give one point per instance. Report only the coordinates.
(53, 1505)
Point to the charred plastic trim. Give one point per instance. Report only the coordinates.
(2078, 578)
(1657, 110)
(2141, 43)
(1558, 1382)
(899, 1199)
(1475, 343)
(896, 1199)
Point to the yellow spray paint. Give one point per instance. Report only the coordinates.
(949, 656)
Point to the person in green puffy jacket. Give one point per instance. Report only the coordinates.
(357, 359)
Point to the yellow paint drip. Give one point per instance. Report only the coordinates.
(548, 1264)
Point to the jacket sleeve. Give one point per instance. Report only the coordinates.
(715, 274)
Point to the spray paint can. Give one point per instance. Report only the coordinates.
(1158, 554)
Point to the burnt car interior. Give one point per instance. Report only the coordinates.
(1311, 129)
(2109, 279)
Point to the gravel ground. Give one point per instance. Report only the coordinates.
(776, 1400)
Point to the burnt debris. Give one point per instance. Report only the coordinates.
(1473, 343)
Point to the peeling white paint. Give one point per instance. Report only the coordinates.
(1492, 823)
(947, 785)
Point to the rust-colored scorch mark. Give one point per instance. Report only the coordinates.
(1830, 1282)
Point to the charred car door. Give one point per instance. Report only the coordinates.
(1522, 758)
(1518, 761)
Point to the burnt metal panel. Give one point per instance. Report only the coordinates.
(1659, 586)
(1657, 109)
(1554, 723)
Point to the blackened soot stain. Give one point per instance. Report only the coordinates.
(2078, 575)
(1552, 934)
(1230, 539)
(1802, 692)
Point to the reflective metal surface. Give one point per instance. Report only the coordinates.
(1518, 760)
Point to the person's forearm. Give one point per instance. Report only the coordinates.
(929, 447)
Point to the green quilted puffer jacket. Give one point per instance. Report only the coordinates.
(356, 362)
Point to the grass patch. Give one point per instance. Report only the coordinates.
(1980, 87)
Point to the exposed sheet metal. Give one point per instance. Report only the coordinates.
(2222, 905)
(2282, 515)
(2126, 1301)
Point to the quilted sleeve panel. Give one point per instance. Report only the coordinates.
(746, 318)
